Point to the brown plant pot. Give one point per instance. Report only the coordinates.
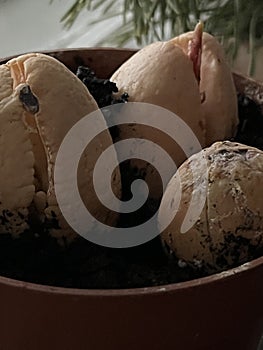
(223, 311)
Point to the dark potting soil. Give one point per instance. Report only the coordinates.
(36, 257)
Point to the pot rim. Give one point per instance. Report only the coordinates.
(161, 289)
(59, 51)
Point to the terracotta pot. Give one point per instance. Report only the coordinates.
(223, 311)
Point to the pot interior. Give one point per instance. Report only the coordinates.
(45, 263)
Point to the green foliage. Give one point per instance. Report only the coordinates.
(233, 21)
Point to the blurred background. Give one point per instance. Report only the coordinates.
(32, 25)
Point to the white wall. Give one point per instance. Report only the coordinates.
(31, 25)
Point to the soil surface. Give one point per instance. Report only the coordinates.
(36, 257)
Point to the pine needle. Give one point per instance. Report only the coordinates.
(232, 21)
